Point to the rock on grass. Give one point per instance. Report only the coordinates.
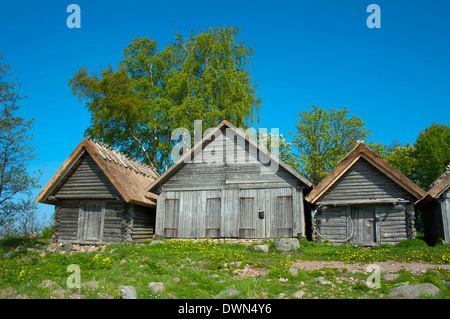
(157, 286)
(128, 292)
(286, 244)
(229, 293)
(414, 291)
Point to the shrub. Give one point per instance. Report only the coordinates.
(412, 243)
(47, 232)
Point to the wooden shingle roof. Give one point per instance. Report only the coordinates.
(441, 184)
(128, 176)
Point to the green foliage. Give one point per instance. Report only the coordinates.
(47, 232)
(16, 152)
(432, 154)
(204, 77)
(412, 243)
(402, 158)
(323, 137)
(186, 268)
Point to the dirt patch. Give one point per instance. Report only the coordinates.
(386, 266)
(250, 272)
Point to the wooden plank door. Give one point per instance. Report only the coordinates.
(284, 225)
(252, 220)
(445, 206)
(171, 217)
(91, 222)
(364, 225)
(213, 214)
(247, 212)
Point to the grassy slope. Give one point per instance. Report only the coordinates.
(186, 269)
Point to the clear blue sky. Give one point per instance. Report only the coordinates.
(320, 52)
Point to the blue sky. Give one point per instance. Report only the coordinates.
(305, 52)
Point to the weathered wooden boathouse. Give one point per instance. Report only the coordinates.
(100, 197)
(364, 201)
(228, 186)
(435, 206)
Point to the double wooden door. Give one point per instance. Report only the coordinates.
(265, 213)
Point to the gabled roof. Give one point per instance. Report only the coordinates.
(128, 176)
(362, 151)
(437, 188)
(208, 139)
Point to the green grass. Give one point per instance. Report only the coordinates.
(406, 251)
(187, 268)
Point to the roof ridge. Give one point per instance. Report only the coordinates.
(441, 177)
(109, 153)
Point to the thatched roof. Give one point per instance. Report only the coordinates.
(373, 158)
(440, 185)
(208, 139)
(128, 176)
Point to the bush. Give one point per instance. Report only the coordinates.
(412, 243)
(47, 232)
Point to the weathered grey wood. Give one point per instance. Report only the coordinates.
(368, 204)
(363, 181)
(91, 221)
(231, 172)
(81, 222)
(364, 224)
(86, 181)
(247, 213)
(172, 212)
(143, 227)
(213, 217)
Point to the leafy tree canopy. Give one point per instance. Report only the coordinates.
(431, 154)
(152, 92)
(323, 137)
(16, 151)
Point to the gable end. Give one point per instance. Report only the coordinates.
(86, 181)
(363, 182)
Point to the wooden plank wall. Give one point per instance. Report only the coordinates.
(87, 181)
(433, 221)
(143, 223)
(67, 221)
(245, 186)
(188, 214)
(363, 181)
(331, 223)
(114, 212)
(390, 225)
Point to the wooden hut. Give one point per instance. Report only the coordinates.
(227, 186)
(364, 201)
(435, 206)
(100, 196)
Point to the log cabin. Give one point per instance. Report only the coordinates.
(228, 186)
(364, 201)
(99, 197)
(435, 206)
